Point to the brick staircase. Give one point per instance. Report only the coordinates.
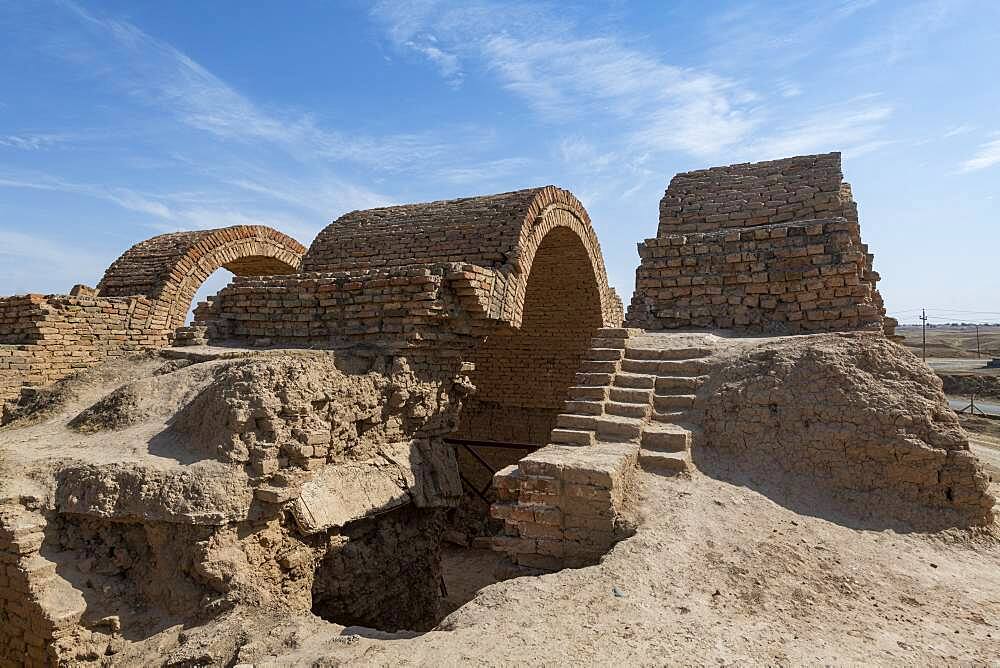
(636, 388)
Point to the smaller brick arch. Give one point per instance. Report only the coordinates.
(168, 269)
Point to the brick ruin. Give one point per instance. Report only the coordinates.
(142, 299)
(309, 450)
(771, 247)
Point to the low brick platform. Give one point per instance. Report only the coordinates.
(565, 506)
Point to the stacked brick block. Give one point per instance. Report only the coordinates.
(770, 247)
(565, 506)
(784, 278)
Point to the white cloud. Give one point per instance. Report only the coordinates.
(563, 75)
(789, 89)
(32, 141)
(852, 127)
(483, 172)
(957, 130)
(123, 197)
(579, 153)
(909, 28)
(165, 78)
(22, 254)
(988, 155)
(447, 63)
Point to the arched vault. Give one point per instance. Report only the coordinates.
(168, 269)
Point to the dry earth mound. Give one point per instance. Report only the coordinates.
(850, 424)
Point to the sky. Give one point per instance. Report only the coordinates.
(122, 120)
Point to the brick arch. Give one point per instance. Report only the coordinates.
(168, 269)
(550, 291)
(523, 369)
(501, 232)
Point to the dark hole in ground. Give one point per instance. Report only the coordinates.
(395, 573)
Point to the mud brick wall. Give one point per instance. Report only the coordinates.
(565, 506)
(46, 338)
(522, 374)
(768, 247)
(144, 296)
(34, 611)
(784, 278)
(752, 194)
(417, 305)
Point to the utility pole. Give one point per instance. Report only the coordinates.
(923, 317)
(979, 350)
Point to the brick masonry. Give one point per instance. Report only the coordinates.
(142, 298)
(769, 247)
(565, 505)
(514, 284)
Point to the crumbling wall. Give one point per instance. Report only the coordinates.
(784, 278)
(771, 247)
(850, 424)
(265, 469)
(413, 305)
(46, 338)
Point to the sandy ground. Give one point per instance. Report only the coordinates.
(716, 574)
(984, 439)
(953, 342)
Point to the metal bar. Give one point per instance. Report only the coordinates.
(493, 444)
(481, 495)
(479, 459)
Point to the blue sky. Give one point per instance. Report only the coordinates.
(122, 120)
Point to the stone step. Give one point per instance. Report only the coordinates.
(663, 437)
(605, 342)
(679, 384)
(670, 402)
(583, 393)
(630, 395)
(617, 429)
(616, 332)
(634, 380)
(693, 367)
(594, 379)
(627, 409)
(584, 407)
(672, 417)
(666, 353)
(571, 437)
(667, 463)
(576, 422)
(598, 366)
(604, 354)
(641, 366)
